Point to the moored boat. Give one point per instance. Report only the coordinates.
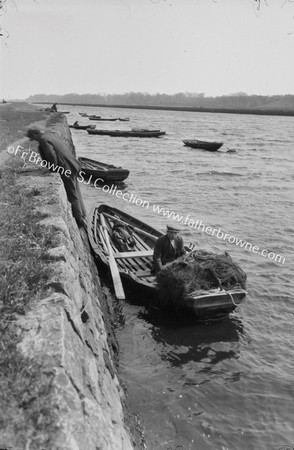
(211, 146)
(87, 115)
(94, 170)
(82, 127)
(135, 264)
(109, 119)
(128, 133)
(101, 119)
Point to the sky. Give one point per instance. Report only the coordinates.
(215, 47)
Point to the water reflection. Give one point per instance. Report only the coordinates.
(184, 341)
(177, 371)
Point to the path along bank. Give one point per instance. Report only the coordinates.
(59, 387)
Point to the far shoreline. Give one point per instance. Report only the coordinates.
(270, 112)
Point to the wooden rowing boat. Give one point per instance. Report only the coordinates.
(211, 146)
(94, 170)
(128, 133)
(88, 115)
(101, 119)
(135, 265)
(109, 119)
(82, 127)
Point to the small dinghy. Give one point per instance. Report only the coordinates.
(94, 170)
(211, 146)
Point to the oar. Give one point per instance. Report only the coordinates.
(138, 230)
(118, 287)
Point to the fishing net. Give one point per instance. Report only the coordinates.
(198, 271)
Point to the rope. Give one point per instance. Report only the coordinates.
(232, 298)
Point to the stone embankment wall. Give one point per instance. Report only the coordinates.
(68, 333)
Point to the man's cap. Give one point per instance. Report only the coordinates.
(173, 228)
(33, 131)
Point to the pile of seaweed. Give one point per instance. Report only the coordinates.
(199, 270)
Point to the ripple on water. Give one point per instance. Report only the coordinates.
(227, 385)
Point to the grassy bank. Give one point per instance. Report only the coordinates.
(37, 393)
(14, 118)
(24, 269)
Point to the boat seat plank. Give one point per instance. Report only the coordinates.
(144, 273)
(140, 253)
(138, 263)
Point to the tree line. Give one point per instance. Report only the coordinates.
(239, 101)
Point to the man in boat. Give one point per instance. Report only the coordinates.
(168, 248)
(60, 159)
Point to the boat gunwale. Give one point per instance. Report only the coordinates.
(108, 171)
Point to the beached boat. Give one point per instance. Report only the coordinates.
(83, 127)
(128, 133)
(211, 146)
(94, 170)
(135, 265)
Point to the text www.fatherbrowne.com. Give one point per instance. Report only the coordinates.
(188, 220)
(34, 158)
(199, 225)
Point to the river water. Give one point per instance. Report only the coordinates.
(225, 385)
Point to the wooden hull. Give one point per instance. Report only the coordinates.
(88, 115)
(135, 265)
(98, 170)
(128, 133)
(110, 119)
(215, 303)
(203, 145)
(83, 127)
(103, 120)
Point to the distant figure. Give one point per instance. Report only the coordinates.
(4, 101)
(167, 248)
(76, 124)
(56, 152)
(53, 107)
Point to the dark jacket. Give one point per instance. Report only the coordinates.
(165, 252)
(53, 150)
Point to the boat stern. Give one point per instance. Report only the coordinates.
(214, 303)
